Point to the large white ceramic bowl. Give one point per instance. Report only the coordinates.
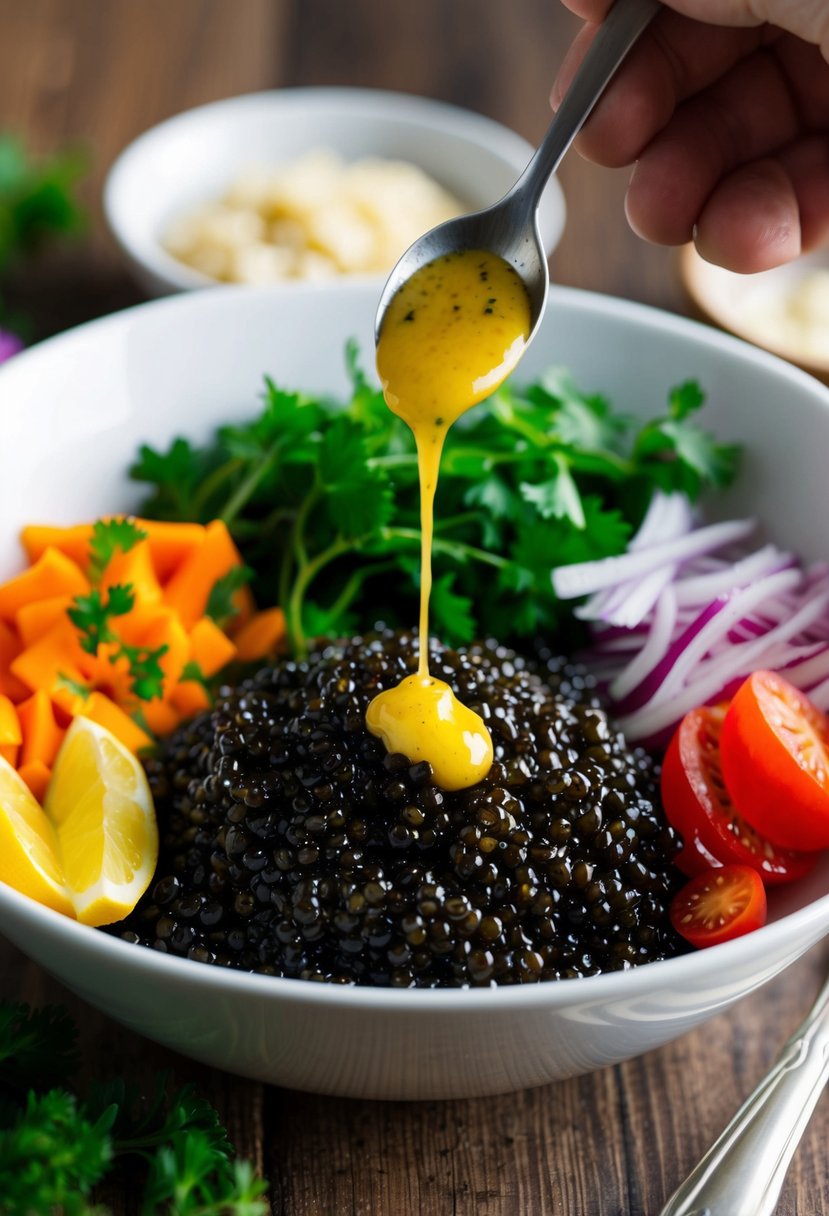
(192, 159)
(73, 411)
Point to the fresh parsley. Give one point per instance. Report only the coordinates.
(38, 201)
(108, 537)
(321, 497)
(56, 1145)
(93, 614)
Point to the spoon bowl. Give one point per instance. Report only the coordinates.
(509, 228)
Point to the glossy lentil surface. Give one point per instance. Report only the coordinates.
(293, 845)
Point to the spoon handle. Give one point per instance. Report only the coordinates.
(743, 1171)
(616, 35)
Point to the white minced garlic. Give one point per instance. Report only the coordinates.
(315, 218)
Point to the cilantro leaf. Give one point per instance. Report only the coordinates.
(108, 536)
(556, 498)
(176, 476)
(321, 498)
(451, 612)
(91, 615)
(220, 606)
(494, 494)
(145, 670)
(677, 454)
(357, 496)
(685, 399)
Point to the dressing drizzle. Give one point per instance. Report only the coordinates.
(452, 333)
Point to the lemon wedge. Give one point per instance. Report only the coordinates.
(101, 809)
(28, 845)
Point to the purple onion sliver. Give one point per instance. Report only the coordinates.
(585, 578)
(10, 345)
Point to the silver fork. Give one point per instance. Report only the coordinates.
(743, 1171)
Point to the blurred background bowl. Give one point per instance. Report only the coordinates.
(193, 158)
(784, 310)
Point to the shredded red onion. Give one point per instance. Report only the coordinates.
(682, 617)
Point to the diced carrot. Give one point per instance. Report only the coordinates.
(53, 659)
(10, 728)
(167, 630)
(10, 753)
(210, 647)
(10, 648)
(188, 590)
(161, 716)
(52, 574)
(262, 635)
(74, 541)
(38, 617)
(134, 626)
(36, 775)
(190, 697)
(41, 734)
(134, 568)
(170, 543)
(99, 708)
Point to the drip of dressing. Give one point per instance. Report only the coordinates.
(451, 335)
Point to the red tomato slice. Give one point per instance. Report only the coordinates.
(697, 804)
(719, 905)
(775, 761)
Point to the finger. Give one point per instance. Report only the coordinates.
(808, 19)
(807, 164)
(674, 59)
(748, 115)
(751, 222)
(590, 10)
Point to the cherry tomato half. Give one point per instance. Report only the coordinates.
(697, 804)
(719, 905)
(775, 761)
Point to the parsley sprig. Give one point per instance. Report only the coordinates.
(322, 498)
(38, 201)
(56, 1146)
(93, 614)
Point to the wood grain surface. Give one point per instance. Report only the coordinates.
(614, 1143)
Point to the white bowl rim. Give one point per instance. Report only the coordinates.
(412, 108)
(636, 981)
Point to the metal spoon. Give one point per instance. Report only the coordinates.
(743, 1171)
(510, 227)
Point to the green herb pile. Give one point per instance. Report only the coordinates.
(322, 498)
(37, 202)
(55, 1146)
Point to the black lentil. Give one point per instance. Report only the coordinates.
(293, 845)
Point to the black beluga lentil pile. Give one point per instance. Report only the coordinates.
(292, 844)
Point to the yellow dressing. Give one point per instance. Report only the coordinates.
(452, 333)
(424, 720)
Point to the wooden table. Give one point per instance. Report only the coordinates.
(616, 1142)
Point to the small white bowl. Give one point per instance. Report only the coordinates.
(74, 410)
(771, 308)
(192, 159)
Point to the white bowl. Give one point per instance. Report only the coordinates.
(182, 366)
(192, 158)
(770, 308)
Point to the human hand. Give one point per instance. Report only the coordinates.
(723, 105)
